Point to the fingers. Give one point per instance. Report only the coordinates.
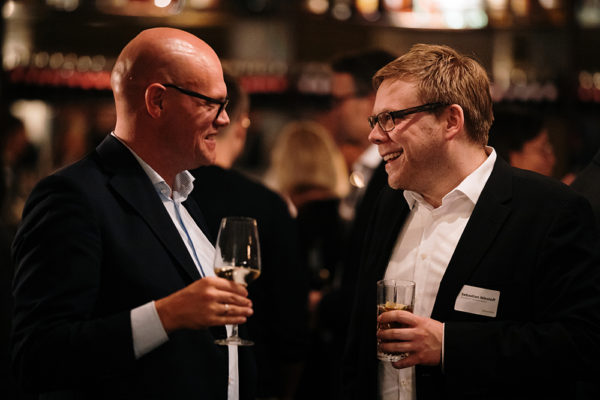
(402, 317)
(226, 285)
(421, 338)
(233, 311)
(223, 291)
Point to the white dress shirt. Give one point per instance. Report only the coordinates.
(422, 252)
(147, 329)
(362, 171)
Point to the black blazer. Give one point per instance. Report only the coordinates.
(530, 238)
(279, 323)
(587, 183)
(96, 242)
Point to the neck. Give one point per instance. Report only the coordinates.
(454, 172)
(156, 160)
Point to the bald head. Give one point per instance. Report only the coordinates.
(160, 55)
(170, 100)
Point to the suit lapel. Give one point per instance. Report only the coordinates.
(488, 217)
(131, 182)
(394, 211)
(192, 207)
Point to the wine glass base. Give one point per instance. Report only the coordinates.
(234, 341)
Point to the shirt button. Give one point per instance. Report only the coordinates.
(423, 256)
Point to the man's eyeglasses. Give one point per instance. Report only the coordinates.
(222, 103)
(386, 118)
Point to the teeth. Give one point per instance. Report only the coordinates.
(392, 156)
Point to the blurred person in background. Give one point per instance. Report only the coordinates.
(232, 139)
(279, 323)
(115, 292)
(352, 97)
(309, 171)
(519, 136)
(19, 167)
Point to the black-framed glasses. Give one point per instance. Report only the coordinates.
(386, 118)
(222, 103)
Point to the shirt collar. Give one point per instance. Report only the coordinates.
(184, 181)
(471, 187)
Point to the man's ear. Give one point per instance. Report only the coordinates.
(154, 97)
(455, 120)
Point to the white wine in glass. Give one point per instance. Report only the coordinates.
(237, 258)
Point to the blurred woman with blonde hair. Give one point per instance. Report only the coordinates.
(306, 165)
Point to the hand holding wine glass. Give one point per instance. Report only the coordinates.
(237, 258)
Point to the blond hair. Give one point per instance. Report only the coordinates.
(445, 76)
(305, 157)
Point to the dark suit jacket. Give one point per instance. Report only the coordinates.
(587, 183)
(96, 242)
(530, 238)
(279, 324)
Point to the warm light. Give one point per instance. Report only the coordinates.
(317, 6)
(98, 62)
(200, 4)
(162, 3)
(84, 63)
(520, 7)
(9, 9)
(56, 60)
(40, 60)
(497, 5)
(586, 80)
(367, 6)
(398, 5)
(341, 11)
(550, 4)
(36, 116)
(596, 79)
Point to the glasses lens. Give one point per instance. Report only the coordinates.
(386, 122)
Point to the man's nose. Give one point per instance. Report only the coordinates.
(377, 135)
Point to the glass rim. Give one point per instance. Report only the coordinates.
(396, 282)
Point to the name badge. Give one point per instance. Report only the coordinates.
(478, 301)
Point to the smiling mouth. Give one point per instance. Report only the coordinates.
(392, 156)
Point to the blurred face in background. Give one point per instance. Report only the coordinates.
(350, 116)
(536, 155)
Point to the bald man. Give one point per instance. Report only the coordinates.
(115, 296)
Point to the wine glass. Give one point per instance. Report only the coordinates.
(237, 258)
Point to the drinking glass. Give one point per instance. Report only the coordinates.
(237, 258)
(393, 295)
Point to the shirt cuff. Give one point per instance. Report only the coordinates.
(147, 329)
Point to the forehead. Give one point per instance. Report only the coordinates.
(395, 95)
(208, 81)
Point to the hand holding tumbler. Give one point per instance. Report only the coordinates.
(393, 295)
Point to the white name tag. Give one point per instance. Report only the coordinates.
(478, 301)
